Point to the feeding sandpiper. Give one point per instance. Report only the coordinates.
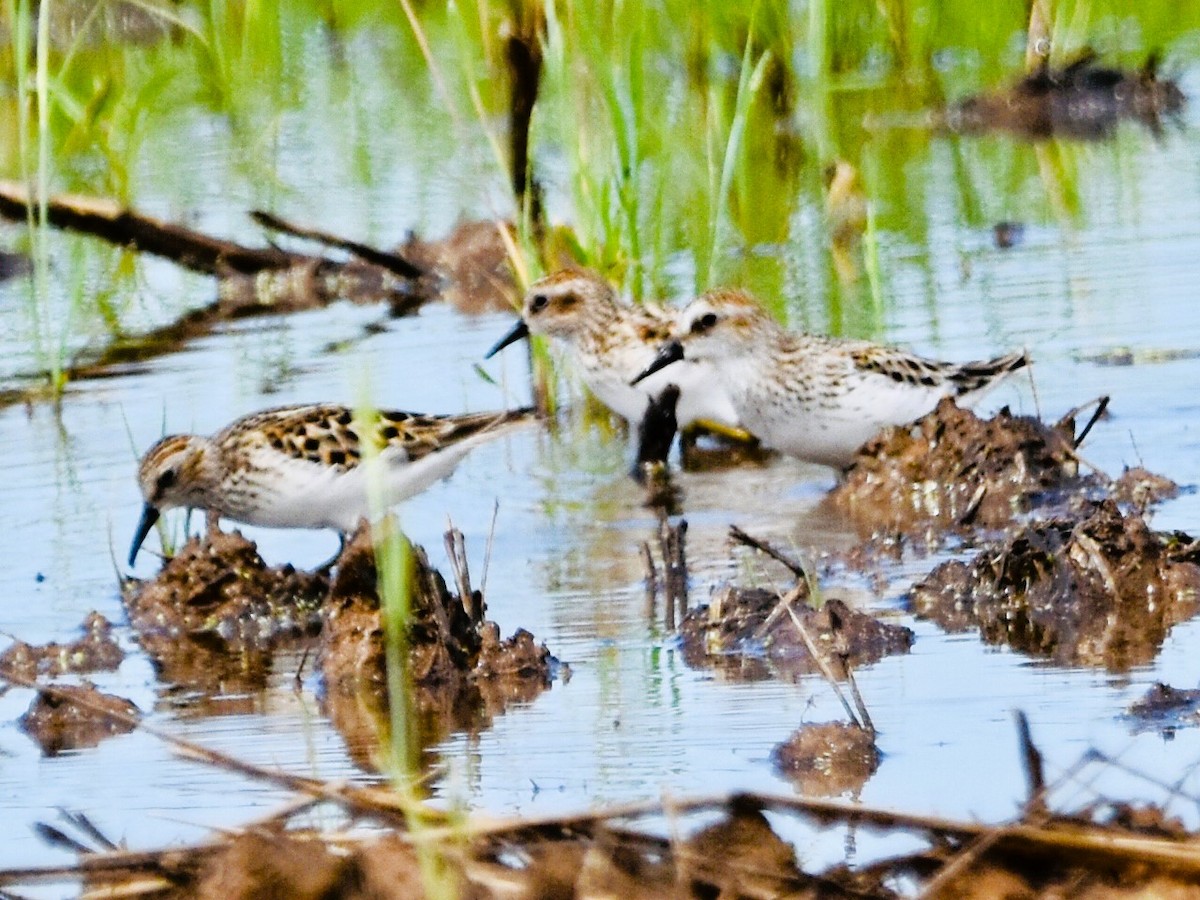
(303, 466)
(611, 342)
(816, 398)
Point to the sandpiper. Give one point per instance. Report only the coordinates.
(303, 466)
(611, 342)
(816, 398)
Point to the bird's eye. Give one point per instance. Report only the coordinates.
(705, 322)
(538, 302)
(165, 481)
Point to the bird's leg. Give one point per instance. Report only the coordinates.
(212, 522)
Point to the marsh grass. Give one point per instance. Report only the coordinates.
(682, 154)
(394, 566)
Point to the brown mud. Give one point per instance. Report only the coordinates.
(58, 723)
(752, 632)
(952, 472)
(1166, 709)
(1079, 100)
(96, 651)
(827, 759)
(1098, 589)
(1108, 850)
(214, 617)
(460, 675)
(215, 614)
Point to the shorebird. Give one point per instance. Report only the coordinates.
(611, 341)
(304, 466)
(816, 398)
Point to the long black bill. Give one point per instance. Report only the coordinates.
(670, 352)
(519, 331)
(149, 517)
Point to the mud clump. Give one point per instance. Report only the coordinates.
(1079, 100)
(1139, 488)
(748, 621)
(459, 673)
(1099, 591)
(1166, 708)
(827, 759)
(215, 613)
(954, 471)
(71, 717)
(300, 865)
(96, 651)
(471, 266)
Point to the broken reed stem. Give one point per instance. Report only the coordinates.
(859, 704)
(524, 54)
(1031, 757)
(672, 547)
(679, 559)
(763, 547)
(822, 663)
(1101, 406)
(651, 578)
(456, 550)
(386, 805)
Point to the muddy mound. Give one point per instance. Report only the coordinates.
(1080, 100)
(828, 758)
(70, 717)
(1100, 591)
(1166, 709)
(952, 471)
(458, 674)
(214, 614)
(96, 651)
(748, 622)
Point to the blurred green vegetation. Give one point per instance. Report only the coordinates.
(685, 143)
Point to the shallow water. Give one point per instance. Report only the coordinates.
(633, 721)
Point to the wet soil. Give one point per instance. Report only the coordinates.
(827, 759)
(742, 625)
(460, 675)
(1111, 850)
(1081, 100)
(215, 614)
(952, 472)
(1099, 589)
(1166, 708)
(96, 651)
(76, 716)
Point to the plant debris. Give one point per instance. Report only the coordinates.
(827, 759)
(215, 613)
(76, 716)
(96, 651)
(1079, 100)
(952, 471)
(460, 674)
(750, 621)
(1166, 708)
(1097, 590)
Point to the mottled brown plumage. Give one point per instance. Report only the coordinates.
(303, 466)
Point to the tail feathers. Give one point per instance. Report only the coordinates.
(491, 424)
(976, 376)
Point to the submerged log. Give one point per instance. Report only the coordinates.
(118, 224)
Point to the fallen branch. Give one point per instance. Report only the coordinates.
(391, 261)
(125, 227)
